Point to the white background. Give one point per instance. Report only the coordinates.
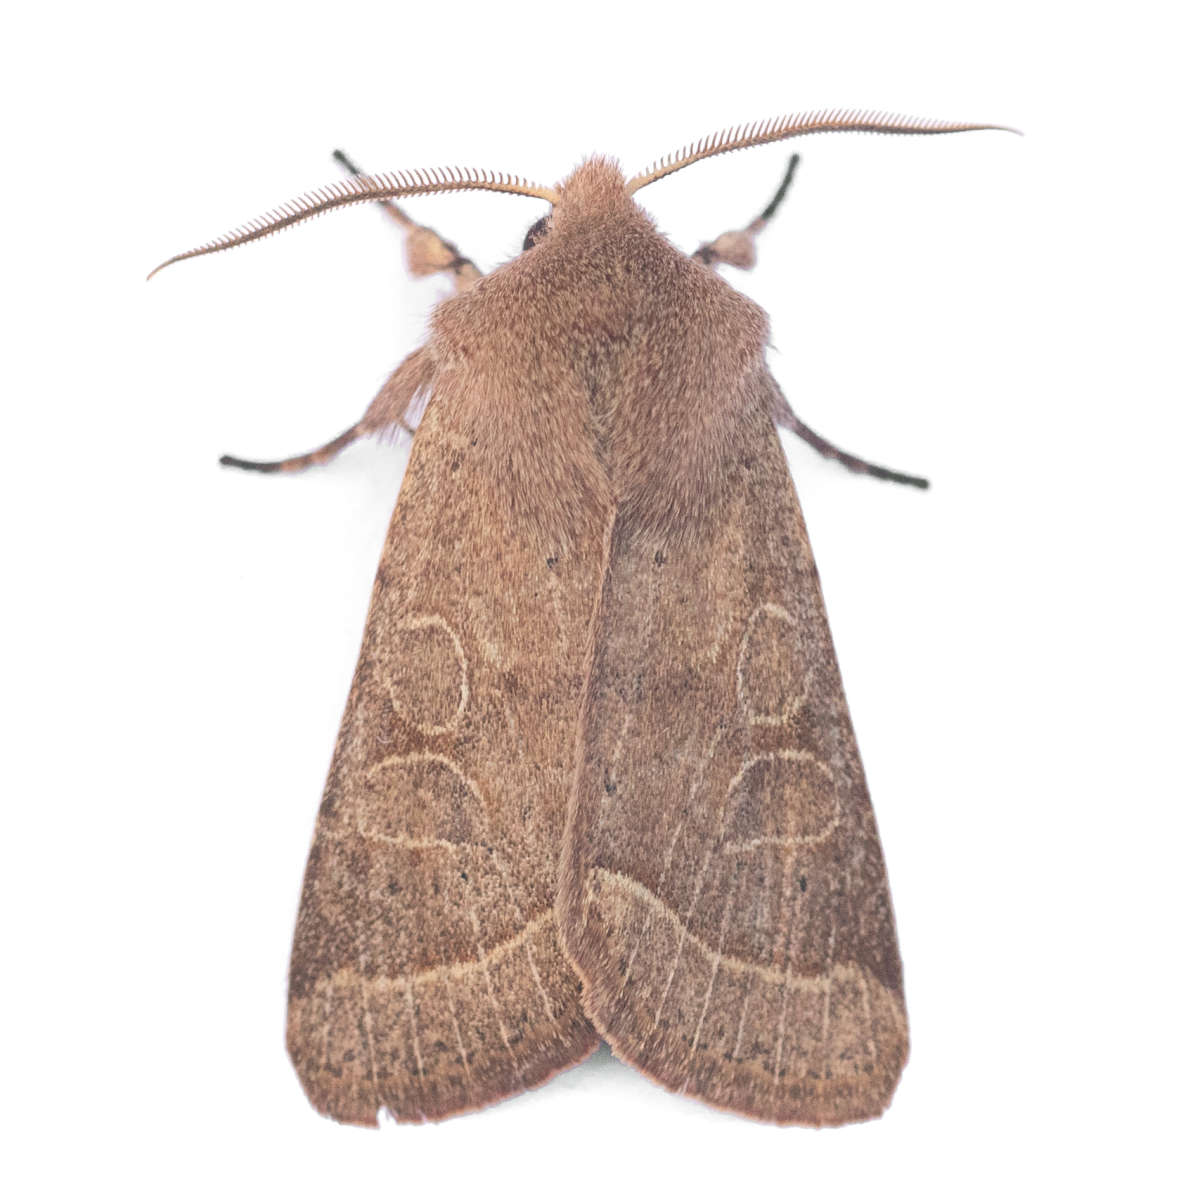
(1014, 317)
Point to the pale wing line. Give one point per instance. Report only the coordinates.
(441, 843)
(412, 1020)
(740, 966)
(327, 1024)
(537, 979)
(832, 945)
(501, 861)
(662, 1002)
(791, 842)
(828, 997)
(408, 843)
(491, 991)
(370, 1036)
(456, 970)
(712, 979)
(870, 1023)
(753, 760)
(360, 978)
(787, 931)
(794, 843)
(362, 992)
(792, 704)
(763, 895)
(701, 772)
(445, 974)
(434, 621)
(737, 1043)
(462, 1050)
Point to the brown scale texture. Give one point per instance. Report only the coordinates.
(723, 895)
(427, 975)
(596, 771)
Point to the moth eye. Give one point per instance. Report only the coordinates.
(537, 231)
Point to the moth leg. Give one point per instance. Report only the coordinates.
(388, 411)
(736, 248)
(787, 418)
(300, 461)
(427, 252)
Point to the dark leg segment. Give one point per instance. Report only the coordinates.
(390, 410)
(428, 254)
(736, 249)
(788, 419)
(314, 458)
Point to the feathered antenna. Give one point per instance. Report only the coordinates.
(362, 189)
(841, 120)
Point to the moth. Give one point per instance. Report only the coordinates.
(596, 777)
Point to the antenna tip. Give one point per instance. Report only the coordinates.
(166, 263)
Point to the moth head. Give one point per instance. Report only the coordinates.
(592, 194)
(595, 189)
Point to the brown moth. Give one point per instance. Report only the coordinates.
(596, 777)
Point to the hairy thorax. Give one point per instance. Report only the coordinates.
(625, 384)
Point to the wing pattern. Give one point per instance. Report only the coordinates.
(427, 975)
(723, 890)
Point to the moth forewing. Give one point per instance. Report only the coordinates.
(427, 976)
(723, 892)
